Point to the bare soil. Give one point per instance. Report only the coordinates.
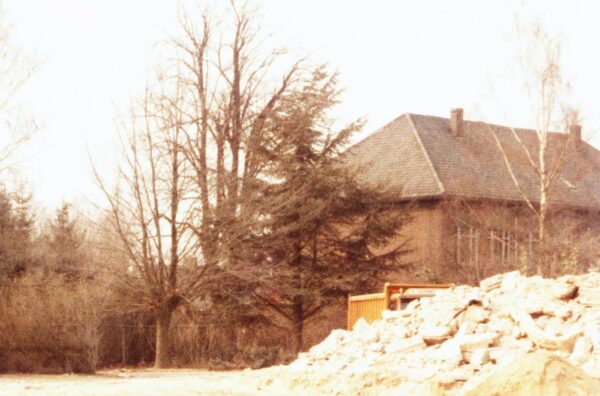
(144, 382)
(278, 380)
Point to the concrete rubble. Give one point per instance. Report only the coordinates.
(462, 335)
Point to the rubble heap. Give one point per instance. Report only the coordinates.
(462, 335)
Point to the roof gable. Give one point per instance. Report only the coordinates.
(392, 156)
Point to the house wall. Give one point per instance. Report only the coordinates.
(506, 240)
(424, 237)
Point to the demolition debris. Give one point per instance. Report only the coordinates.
(464, 337)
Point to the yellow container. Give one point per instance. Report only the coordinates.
(394, 297)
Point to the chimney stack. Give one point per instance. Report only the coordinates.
(575, 133)
(456, 122)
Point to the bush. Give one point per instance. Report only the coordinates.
(49, 325)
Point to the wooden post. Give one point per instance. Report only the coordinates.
(123, 346)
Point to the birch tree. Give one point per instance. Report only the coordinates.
(539, 58)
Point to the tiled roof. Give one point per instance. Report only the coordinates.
(418, 156)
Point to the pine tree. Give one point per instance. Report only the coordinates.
(65, 244)
(317, 227)
(16, 233)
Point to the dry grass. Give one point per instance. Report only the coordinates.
(48, 325)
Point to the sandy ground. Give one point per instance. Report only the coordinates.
(145, 382)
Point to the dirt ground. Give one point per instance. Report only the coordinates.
(278, 380)
(145, 382)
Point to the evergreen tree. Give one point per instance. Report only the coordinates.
(65, 243)
(23, 228)
(16, 233)
(318, 229)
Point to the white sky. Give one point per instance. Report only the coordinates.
(393, 56)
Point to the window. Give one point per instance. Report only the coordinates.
(467, 246)
(508, 249)
(491, 249)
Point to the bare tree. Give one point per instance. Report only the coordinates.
(230, 98)
(540, 61)
(195, 157)
(149, 212)
(16, 69)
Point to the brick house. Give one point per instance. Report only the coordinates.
(469, 217)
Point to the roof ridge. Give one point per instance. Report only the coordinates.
(492, 124)
(425, 153)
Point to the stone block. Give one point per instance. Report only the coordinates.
(592, 332)
(493, 282)
(564, 291)
(516, 332)
(391, 316)
(503, 356)
(582, 351)
(466, 327)
(406, 345)
(477, 314)
(589, 296)
(562, 311)
(450, 352)
(469, 343)
(510, 281)
(433, 334)
(501, 325)
(479, 357)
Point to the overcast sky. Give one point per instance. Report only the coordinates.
(393, 56)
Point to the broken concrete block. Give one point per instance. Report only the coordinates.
(432, 334)
(391, 315)
(448, 379)
(510, 281)
(406, 345)
(360, 325)
(509, 342)
(450, 352)
(477, 314)
(589, 296)
(493, 282)
(376, 347)
(479, 357)
(503, 356)
(559, 343)
(501, 325)
(592, 366)
(561, 311)
(582, 351)
(564, 291)
(534, 307)
(592, 332)
(516, 332)
(469, 343)
(554, 327)
(439, 334)
(525, 322)
(482, 328)
(466, 327)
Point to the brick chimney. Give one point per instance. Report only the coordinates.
(456, 122)
(575, 134)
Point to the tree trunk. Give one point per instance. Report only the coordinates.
(163, 322)
(541, 244)
(542, 253)
(298, 327)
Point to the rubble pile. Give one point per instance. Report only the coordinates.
(462, 335)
